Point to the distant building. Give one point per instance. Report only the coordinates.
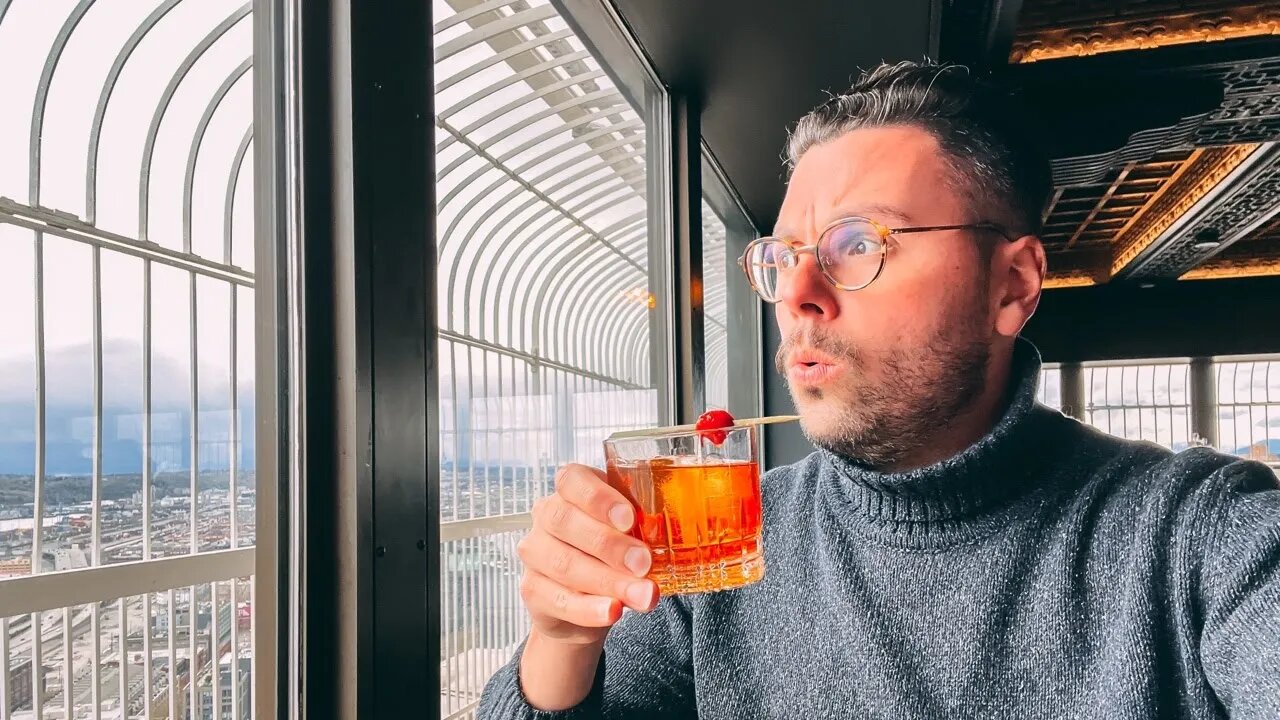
(15, 567)
(1264, 450)
(73, 558)
(20, 686)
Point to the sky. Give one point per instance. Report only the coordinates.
(25, 38)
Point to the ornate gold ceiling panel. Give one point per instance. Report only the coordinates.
(1054, 30)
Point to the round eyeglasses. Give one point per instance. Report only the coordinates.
(850, 252)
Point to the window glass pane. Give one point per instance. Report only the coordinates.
(732, 343)
(715, 316)
(1050, 390)
(126, 379)
(1249, 409)
(1141, 401)
(548, 308)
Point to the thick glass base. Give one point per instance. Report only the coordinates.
(673, 580)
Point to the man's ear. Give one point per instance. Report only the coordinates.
(1022, 269)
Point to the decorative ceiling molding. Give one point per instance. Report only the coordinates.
(1241, 268)
(1191, 187)
(1095, 38)
(1055, 282)
(1250, 109)
(1243, 206)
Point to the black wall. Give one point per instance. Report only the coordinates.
(1188, 318)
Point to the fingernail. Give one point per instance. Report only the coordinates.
(620, 516)
(637, 561)
(606, 609)
(640, 595)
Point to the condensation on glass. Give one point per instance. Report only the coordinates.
(126, 370)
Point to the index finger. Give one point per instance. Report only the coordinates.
(585, 488)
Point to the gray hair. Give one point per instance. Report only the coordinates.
(981, 129)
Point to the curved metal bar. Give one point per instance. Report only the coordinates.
(638, 341)
(550, 110)
(108, 86)
(189, 178)
(478, 150)
(148, 148)
(568, 213)
(464, 15)
(467, 297)
(503, 56)
(514, 78)
(531, 186)
(588, 233)
(484, 291)
(601, 99)
(517, 176)
(610, 288)
(42, 95)
(491, 29)
(575, 258)
(533, 278)
(586, 299)
(233, 183)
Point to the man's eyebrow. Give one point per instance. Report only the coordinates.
(873, 211)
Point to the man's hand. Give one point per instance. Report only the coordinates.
(581, 567)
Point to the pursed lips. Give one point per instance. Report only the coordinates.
(810, 367)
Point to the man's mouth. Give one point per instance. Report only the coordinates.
(808, 367)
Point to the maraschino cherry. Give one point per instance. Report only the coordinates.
(712, 423)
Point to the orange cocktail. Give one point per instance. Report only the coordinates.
(697, 505)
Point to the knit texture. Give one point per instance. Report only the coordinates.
(1048, 571)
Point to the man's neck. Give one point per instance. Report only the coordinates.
(951, 437)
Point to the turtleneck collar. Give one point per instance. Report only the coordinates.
(984, 476)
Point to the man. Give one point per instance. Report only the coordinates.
(952, 549)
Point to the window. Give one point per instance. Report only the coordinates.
(731, 310)
(553, 315)
(1249, 409)
(126, 370)
(1050, 391)
(1140, 401)
(715, 276)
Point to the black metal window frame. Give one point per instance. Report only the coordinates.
(344, 106)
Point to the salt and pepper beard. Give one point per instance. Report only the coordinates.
(918, 390)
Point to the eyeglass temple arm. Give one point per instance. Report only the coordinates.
(965, 226)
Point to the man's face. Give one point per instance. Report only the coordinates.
(875, 371)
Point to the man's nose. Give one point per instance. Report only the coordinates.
(804, 291)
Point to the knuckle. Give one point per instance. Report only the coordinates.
(606, 584)
(562, 562)
(588, 493)
(597, 541)
(522, 548)
(528, 589)
(558, 516)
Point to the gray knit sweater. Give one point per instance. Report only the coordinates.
(1048, 571)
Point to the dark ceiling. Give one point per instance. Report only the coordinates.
(758, 65)
(1162, 117)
